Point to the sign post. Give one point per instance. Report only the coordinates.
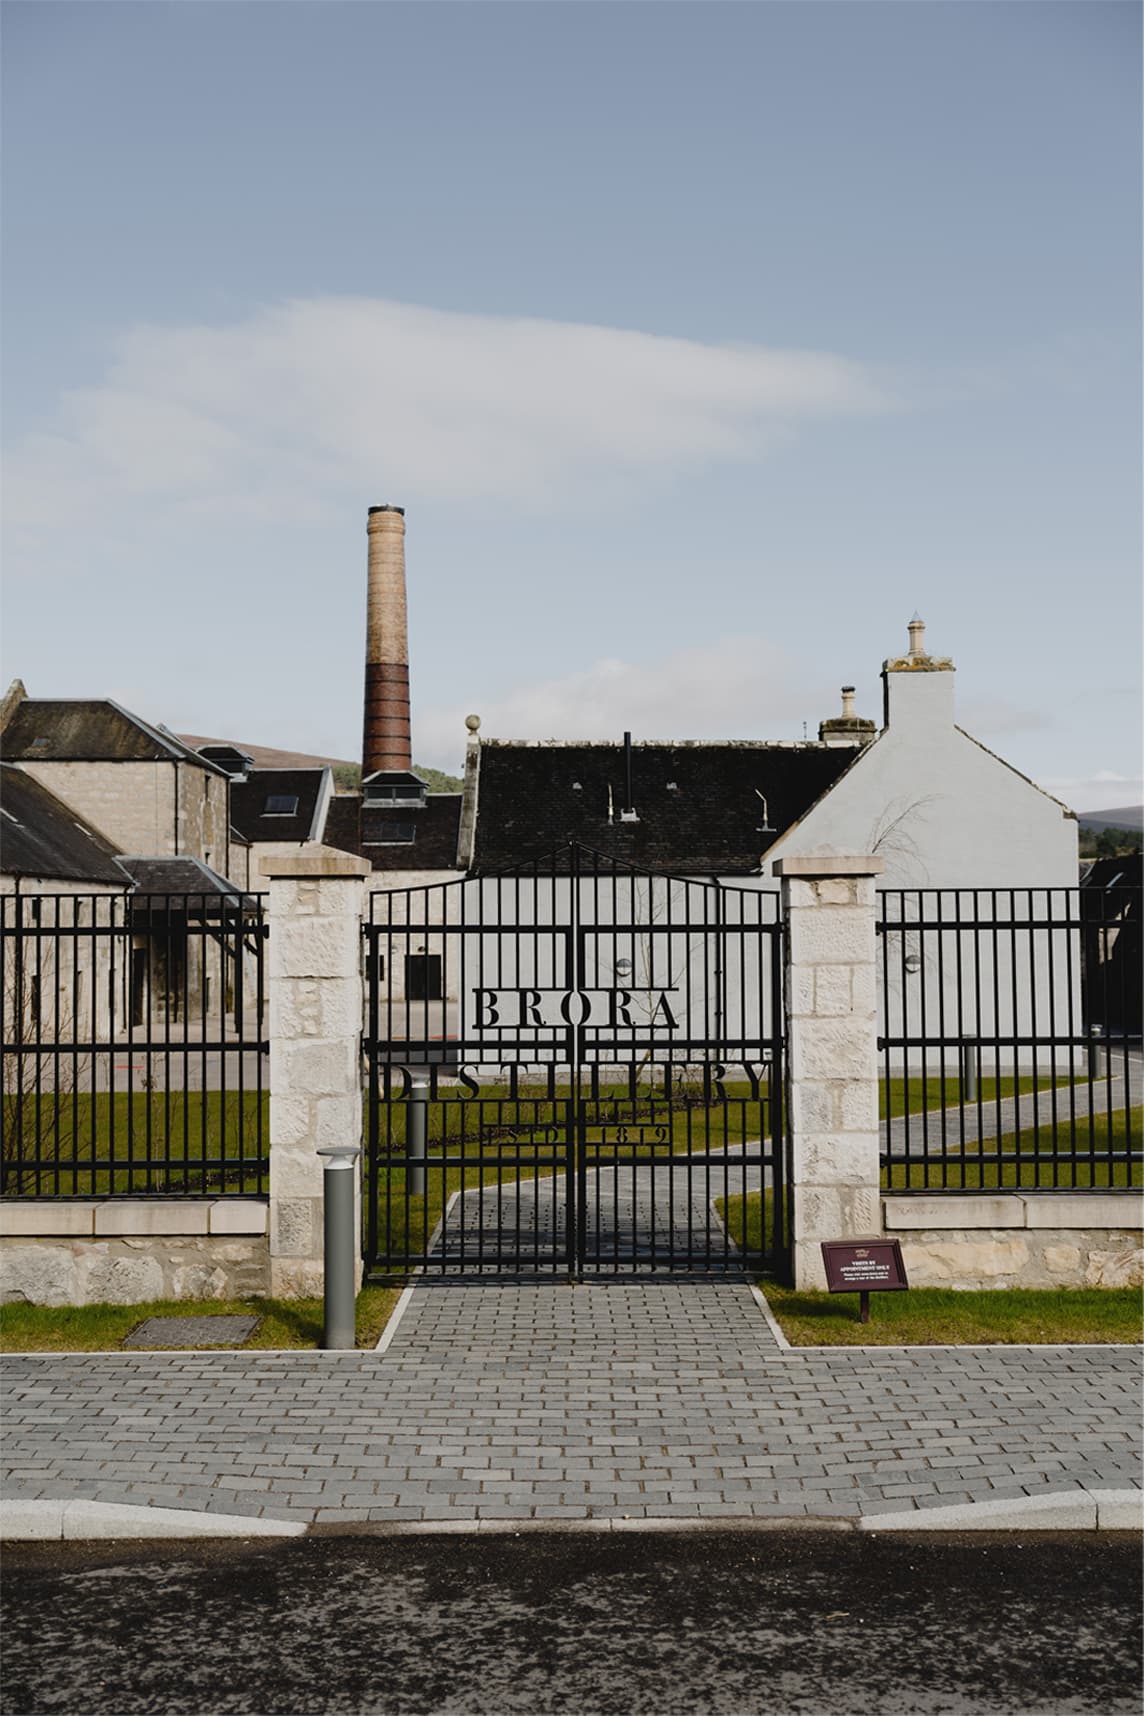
(864, 1266)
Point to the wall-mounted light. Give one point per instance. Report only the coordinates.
(623, 968)
(913, 963)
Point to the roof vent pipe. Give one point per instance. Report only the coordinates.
(628, 813)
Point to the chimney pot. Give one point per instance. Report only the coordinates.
(917, 630)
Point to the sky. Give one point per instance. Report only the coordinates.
(703, 345)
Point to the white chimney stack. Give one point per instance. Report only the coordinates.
(918, 687)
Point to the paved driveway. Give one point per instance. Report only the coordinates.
(523, 1400)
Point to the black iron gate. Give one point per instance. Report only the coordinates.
(593, 1081)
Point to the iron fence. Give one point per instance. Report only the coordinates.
(133, 1045)
(1010, 1039)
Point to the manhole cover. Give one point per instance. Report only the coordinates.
(192, 1332)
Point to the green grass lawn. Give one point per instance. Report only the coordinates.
(1029, 1163)
(935, 1316)
(101, 1328)
(194, 1142)
(931, 1091)
(177, 1143)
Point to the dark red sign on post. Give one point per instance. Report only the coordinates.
(864, 1266)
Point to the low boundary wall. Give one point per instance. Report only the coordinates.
(1015, 1239)
(124, 1251)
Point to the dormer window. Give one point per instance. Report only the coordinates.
(281, 804)
(395, 788)
(231, 761)
(395, 795)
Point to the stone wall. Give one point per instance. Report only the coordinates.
(204, 816)
(1010, 1239)
(123, 1251)
(132, 804)
(148, 809)
(80, 981)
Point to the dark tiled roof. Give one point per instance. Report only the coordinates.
(249, 800)
(40, 836)
(176, 876)
(89, 730)
(162, 884)
(435, 826)
(535, 798)
(1105, 873)
(343, 822)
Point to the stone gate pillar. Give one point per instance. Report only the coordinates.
(314, 962)
(830, 992)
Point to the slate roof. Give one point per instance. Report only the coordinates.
(362, 831)
(176, 876)
(343, 820)
(213, 896)
(249, 800)
(90, 730)
(40, 836)
(697, 804)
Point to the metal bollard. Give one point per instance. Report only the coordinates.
(416, 1127)
(1097, 1054)
(339, 1183)
(970, 1054)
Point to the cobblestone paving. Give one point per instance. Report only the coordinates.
(657, 1212)
(522, 1399)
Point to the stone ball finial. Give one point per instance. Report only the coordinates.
(473, 723)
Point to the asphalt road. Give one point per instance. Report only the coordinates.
(711, 1624)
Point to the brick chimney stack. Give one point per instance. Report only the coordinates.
(386, 742)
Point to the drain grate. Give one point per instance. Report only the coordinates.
(192, 1332)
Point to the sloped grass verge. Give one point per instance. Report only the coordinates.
(102, 1328)
(936, 1316)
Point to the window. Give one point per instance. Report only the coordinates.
(381, 831)
(281, 804)
(423, 976)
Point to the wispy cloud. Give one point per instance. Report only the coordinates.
(1105, 790)
(733, 688)
(305, 402)
(987, 716)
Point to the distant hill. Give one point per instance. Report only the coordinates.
(346, 774)
(1130, 817)
(267, 758)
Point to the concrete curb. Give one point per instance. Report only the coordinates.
(75, 1521)
(1070, 1510)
